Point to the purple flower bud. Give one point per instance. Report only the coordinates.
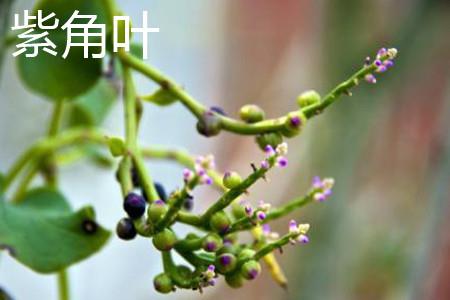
(381, 52)
(377, 62)
(293, 226)
(248, 210)
(319, 197)
(304, 239)
(266, 229)
(388, 63)
(188, 175)
(211, 268)
(381, 69)
(265, 164)
(370, 78)
(269, 150)
(261, 215)
(327, 193)
(282, 161)
(317, 182)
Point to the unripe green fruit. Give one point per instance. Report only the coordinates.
(234, 280)
(183, 276)
(157, 210)
(165, 240)
(225, 263)
(251, 269)
(308, 98)
(294, 123)
(220, 222)
(209, 124)
(246, 254)
(273, 139)
(212, 242)
(251, 113)
(238, 211)
(233, 249)
(163, 283)
(231, 180)
(231, 238)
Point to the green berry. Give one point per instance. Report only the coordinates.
(231, 180)
(212, 242)
(251, 113)
(220, 222)
(157, 210)
(183, 276)
(234, 280)
(251, 269)
(273, 139)
(225, 263)
(233, 249)
(163, 283)
(308, 98)
(246, 254)
(165, 240)
(294, 122)
(209, 124)
(238, 211)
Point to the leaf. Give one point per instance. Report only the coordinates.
(52, 76)
(91, 108)
(44, 234)
(161, 97)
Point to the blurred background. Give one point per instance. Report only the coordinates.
(384, 233)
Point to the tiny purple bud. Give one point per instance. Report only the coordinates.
(381, 69)
(212, 282)
(317, 182)
(265, 164)
(261, 215)
(370, 78)
(381, 52)
(282, 161)
(327, 193)
(187, 174)
(295, 121)
(377, 62)
(248, 210)
(388, 63)
(293, 226)
(319, 197)
(304, 239)
(266, 229)
(211, 268)
(269, 150)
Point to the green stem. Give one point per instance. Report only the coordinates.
(270, 125)
(233, 193)
(188, 245)
(50, 144)
(131, 135)
(63, 285)
(270, 247)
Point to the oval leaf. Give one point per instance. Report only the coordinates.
(52, 76)
(44, 234)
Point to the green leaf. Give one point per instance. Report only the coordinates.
(43, 233)
(52, 76)
(161, 97)
(91, 108)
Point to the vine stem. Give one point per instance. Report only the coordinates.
(236, 126)
(131, 135)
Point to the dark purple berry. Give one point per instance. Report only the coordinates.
(125, 229)
(135, 177)
(209, 124)
(134, 205)
(188, 203)
(161, 191)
